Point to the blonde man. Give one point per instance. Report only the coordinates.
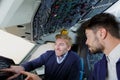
(60, 64)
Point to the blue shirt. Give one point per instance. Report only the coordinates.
(61, 58)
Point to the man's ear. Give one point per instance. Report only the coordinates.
(102, 33)
(69, 48)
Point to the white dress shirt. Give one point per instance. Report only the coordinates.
(112, 59)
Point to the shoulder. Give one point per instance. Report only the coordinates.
(102, 62)
(49, 53)
(73, 56)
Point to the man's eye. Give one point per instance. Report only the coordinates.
(62, 44)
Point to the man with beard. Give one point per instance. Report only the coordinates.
(102, 32)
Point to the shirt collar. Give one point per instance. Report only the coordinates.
(114, 54)
(61, 58)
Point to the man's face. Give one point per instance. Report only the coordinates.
(61, 47)
(93, 41)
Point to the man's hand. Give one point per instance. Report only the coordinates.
(30, 76)
(15, 70)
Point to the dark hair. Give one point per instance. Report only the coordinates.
(104, 20)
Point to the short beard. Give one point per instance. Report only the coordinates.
(98, 49)
(96, 52)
